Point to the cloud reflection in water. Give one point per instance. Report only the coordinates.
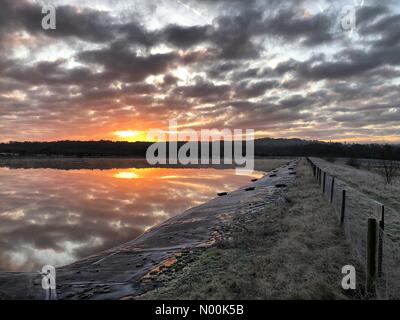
(55, 217)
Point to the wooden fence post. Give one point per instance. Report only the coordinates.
(319, 176)
(380, 243)
(332, 188)
(371, 256)
(323, 183)
(342, 211)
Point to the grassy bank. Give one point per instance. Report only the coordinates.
(295, 250)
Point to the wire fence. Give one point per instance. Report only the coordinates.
(371, 238)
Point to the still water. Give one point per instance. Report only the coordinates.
(52, 216)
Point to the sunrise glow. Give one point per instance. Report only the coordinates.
(126, 175)
(131, 135)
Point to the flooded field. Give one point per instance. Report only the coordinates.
(56, 212)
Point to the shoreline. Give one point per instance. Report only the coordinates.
(116, 273)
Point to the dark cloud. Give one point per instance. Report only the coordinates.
(123, 63)
(366, 14)
(203, 89)
(48, 73)
(86, 24)
(254, 89)
(135, 33)
(349, 63)
(185, 37)
(295, 101)
(310, 31)
(387, 28)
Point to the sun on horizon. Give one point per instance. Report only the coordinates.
(131, 135)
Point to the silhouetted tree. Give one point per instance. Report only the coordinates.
(390, 166)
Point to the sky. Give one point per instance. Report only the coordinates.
(115, 69)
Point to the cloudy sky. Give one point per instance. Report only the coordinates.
(113, 69)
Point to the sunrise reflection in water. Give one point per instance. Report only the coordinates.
(50, 216)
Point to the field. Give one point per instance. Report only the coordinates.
(372, 185)
(368, 179)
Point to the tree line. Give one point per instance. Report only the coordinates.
(263, 147)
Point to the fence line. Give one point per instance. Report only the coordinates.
(363, 223)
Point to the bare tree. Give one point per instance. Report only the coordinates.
(390, 166)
